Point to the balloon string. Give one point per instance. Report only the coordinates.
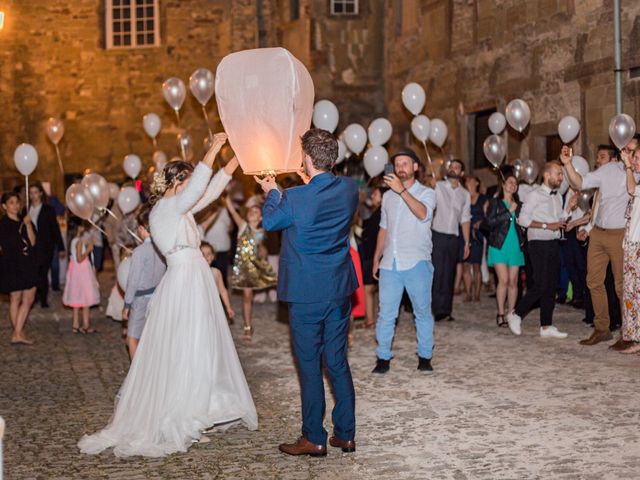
(424, 144)
(138, 239)
(107, 235)
(206, 119)
(155, 143)
(110, 213)
(59, 160)
(184, 154)
(26, 181)
(178, 116)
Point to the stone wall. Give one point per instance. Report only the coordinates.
(53, 63)
(473, 55)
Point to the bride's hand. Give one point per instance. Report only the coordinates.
(219, 139)
(230, 167)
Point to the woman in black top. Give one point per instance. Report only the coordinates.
(18, 270)
(367, 249)
(471, 267)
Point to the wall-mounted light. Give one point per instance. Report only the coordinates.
(1, 19)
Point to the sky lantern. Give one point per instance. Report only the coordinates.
(265, 100)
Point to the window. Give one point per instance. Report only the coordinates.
(294, 10)
(132, 23)
(480, 131)
(344, 7)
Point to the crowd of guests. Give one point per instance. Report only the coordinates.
(415, 242)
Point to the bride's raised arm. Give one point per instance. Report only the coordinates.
(193, 192)
(217, 185)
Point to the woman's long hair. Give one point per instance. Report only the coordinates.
(172, 174)
(500, 192)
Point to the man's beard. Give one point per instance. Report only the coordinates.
(404, 176)
(451, 175)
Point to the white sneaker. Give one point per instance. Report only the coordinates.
(552, 332)
(514, 322)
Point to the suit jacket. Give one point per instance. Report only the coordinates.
(48, 237)
(315, 264)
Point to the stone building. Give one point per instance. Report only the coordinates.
(477, 55)
(99, 66)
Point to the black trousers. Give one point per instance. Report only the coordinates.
(444, 258)
(544, 256)
(576, 261)
(43, 265)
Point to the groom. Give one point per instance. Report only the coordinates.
(317, 278)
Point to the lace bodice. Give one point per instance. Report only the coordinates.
(171, 221)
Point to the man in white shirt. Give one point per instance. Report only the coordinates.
(542, 215)
(403, 257)
(452, 215)
(605, 242)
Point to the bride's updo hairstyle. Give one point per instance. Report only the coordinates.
(173, 174)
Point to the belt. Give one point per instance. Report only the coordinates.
(614, 230)
(144, 293)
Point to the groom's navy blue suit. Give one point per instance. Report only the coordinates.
(316, 277)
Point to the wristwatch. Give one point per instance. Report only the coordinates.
(544, 226)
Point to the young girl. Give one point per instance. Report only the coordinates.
(81, 290)
(251, 270)
(210, 256)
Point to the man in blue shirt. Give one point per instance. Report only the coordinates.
(317, 277)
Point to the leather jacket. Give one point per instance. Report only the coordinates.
(499, 221)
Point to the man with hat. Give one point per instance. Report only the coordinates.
(402, 258)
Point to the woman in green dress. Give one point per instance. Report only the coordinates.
(505, 254)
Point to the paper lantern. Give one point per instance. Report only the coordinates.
(265, 100)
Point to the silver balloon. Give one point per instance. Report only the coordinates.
(201, 83)
(529, 171)
(55, 130)
(518, 114)
(622, 128)
(159, 160)
(174, 92)
(98, 188)
(79, 201)
(584, 197)
(494, 150)
(517, 168)
(185, 145)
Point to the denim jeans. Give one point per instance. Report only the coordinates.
(417, 281)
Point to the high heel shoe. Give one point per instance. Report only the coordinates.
(500, 321)
(248, 331)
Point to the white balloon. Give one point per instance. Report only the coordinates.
(26, 158)
(497, 122)
(413, 98)
(518, 114)
(159, 159)
(380, 131)
(568, 128)
(622, 128)
(54, 130)
(174, 92)
(342, 151)
(438, 133)
(494, 149)
(325, 115)
(123, 272)
(421, 127)
(355, 138)
(114, 189)
(201, 83)
(151, 123)
(375, 159)
(132, 165)
(128, 199)
(580, 164)
(529, 171)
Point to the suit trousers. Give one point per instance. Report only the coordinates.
(604, 246)
(545, 264)
(444, 258)
(319, 335)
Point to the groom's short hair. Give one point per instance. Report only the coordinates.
(322, 147)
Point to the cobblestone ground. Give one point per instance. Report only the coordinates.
(497, 407)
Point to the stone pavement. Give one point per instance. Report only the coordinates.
(498, 407)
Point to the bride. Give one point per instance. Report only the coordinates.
(185, 376)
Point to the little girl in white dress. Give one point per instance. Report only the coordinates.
(186, 375)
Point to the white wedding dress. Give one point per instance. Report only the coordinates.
(186, 375)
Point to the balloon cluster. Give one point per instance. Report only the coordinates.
(423, 128)
(354, 138)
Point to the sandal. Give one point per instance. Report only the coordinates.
(500, 321)
(87, 331)
(248, 331)
(364, 325)
(75, 330)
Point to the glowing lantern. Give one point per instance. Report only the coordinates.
(265, 101)
(1, 20)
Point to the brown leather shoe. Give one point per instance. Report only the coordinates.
(620, 345)
(347, 446)
(303, 447)
(597, 337)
